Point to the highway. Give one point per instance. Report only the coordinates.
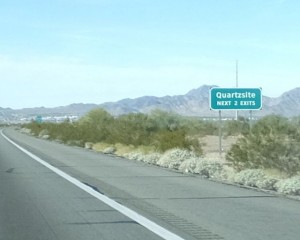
(81, 194)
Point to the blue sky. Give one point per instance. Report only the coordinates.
(58, 52)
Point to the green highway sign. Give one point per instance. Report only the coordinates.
(39, 119)
(235, 98)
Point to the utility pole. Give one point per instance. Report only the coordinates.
(236, 83)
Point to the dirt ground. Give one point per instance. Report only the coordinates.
(211, 146)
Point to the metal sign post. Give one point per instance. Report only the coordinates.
(250, 119)
(234, 99)
(220, 133)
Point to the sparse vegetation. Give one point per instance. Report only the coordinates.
(273, 143)
(159, 130)
(235, 128)
(266, 156)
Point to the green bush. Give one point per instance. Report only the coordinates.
(235, 128)
(272, 143)
(165, 120)
(166, 139)
(95, 126)
(131, 129)
(35, 127)
(160, 129)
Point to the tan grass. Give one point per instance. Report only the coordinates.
(210, 145)
(275, 173)
(122, 149)
(100, 147)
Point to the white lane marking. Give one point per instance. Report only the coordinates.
(152, 226)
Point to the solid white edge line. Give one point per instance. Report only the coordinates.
(152, 226)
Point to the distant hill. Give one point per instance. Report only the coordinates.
(193, 103)
(196, 103)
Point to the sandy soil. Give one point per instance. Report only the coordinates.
(211, 146)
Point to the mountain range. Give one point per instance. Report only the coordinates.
(193, 103)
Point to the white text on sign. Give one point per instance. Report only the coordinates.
(235, 95)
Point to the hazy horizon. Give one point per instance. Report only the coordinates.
(54, 53)
(99, 103)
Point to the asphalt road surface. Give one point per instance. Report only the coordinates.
(38, 203)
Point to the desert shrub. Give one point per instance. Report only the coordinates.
(235, 128)
(214, 169)
(173, 158)
(95, 126)
(152, 158)
(165, 139)
(188, 165)
(136, 156)
(66, 132)
(255, 178)
(208, 168)
(160, 130)
(26, 130)
(44, 133)
(272, 143)
(171, 130)
(35, 128)
(109, 150)
(131, 129)
(192, 125)
(196, 127)
(165, 120)
(289, 186)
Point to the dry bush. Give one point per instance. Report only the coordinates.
(188, 165)
(290, 186)
(100, 146)
(214, 169)
(255, 178)
(174, 158)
